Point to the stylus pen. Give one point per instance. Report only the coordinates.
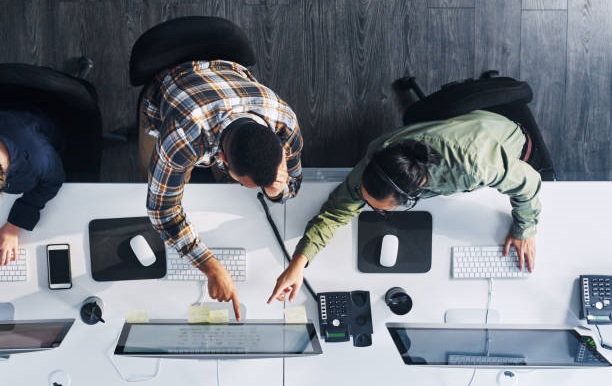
(261, 198)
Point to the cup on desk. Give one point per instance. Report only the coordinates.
(398, 301)
(91, 310)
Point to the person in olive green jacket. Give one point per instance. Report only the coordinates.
(426, 159)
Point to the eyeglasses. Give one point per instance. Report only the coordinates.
(411, 201)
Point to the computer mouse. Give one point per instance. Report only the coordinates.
(142, 250)
(388, 250)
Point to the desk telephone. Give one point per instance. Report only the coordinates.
(595, 298)
(346, 313)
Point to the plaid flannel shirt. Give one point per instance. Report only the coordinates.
(187, 108)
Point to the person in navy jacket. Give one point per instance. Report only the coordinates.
(29, 165)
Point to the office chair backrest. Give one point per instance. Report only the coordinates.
(458, 98)
(502, 95)
(68, 101)
(188, 38)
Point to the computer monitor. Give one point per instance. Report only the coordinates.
(495, 345)
(179, 339)
(32, 335)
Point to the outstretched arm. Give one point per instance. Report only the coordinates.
(290, 281)
(170, 163)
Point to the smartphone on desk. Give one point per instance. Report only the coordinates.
(58, 266)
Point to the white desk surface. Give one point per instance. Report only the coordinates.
(227, 215)
(573, 239)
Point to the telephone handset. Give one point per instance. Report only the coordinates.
(596, 299)
(346, 313)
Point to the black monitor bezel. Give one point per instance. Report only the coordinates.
(312, 334)
(59, 338)
(393, 329)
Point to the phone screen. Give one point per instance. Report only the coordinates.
(59, 266)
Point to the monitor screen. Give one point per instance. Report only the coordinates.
(498, 346)
(32, 335)
(185, 340)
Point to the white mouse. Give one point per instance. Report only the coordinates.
(142, 250)
(388, 250)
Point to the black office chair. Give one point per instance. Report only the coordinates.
(184, 39)
(188, 38)
(70, 102)
(502, 95)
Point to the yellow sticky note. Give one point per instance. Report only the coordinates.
(198, 313)
(296, 314)
(137, 316)
(218, 316)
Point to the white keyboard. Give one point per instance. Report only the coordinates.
(484, 360)
(483, 262)
(15, 270)
(233, 259)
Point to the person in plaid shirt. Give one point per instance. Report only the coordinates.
(215, 113)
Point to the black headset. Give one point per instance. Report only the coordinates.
(404, 197)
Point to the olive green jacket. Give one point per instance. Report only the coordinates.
(477, 149)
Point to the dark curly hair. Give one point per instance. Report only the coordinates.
(252, 150)
(406, 164)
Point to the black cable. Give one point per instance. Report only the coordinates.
(261, 199)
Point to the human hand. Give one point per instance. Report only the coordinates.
(282, 179)
(290, 281)
(9, 241)
(221, 287)
(525, 249)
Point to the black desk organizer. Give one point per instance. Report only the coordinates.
(413, 230)
(112, 257)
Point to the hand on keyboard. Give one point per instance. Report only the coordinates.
(525, 250)
(483, 262)
(9, 240)
(221, 287)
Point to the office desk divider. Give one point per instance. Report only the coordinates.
(413, 229)
(112, 257)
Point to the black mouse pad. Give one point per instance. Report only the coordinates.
(112, 257)
(413, 230)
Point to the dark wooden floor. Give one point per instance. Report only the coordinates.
(334, 61)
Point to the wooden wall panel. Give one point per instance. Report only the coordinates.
(97, 29)
(586, 133)
(497, 37)
(543, 66)
(333, 61)
(545, 4)
(450, 3)
(23, 31)
(451, 45)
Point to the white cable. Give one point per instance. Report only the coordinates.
(218, 374)
(201, 293)
(131, 378)
(489, 296)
